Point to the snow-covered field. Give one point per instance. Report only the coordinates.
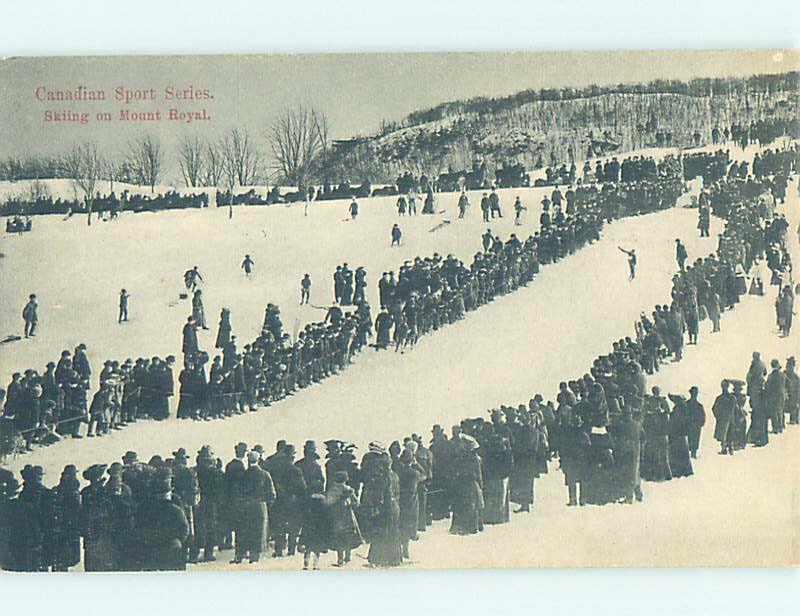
(734, 511)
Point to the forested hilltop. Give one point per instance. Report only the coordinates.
(538, 128)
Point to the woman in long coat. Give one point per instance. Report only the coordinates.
(385, 548)
(345, 534)
(409, 475)
(680, 462)
(162, 527)
(67, 520)
(628, 436)
(211, 484)
(224, 331)
(526, 440)
(467, 490)
(724, 409)
(498, 462)
(252, 531)
(573, 450)
(198, 312)
(95, 524)
(186, 390)
(655, 453)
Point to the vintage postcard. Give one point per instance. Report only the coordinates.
(369, 311)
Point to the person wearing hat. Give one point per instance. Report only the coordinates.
(680, 419)
(424, 458)
(211, 487)
(440, 491)
(190, 345)
(66, 548)
(30, 315)
(161, 526)
(775, 396)
(525, 445)
(724, 409)
(80, 363)
(31, 524)
(287, 510)
(247, 265)
(120, 511)
(409, 475)
(655, 451)
(234, 493)
(697, 419)
(468, 488)
(252, 529)
(345, 534)
(385, 549)
(97, 544)
(184, 486)
(310, 468)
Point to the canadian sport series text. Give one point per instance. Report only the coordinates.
(130, 104)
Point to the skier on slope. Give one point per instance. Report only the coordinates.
(631, 261)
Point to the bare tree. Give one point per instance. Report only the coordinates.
(84, 165)
(323, 135)
(296, 144)
(212, 170)
(239, 162)
(114, 170)
(192, 159)
(241, 156)
(146, 160)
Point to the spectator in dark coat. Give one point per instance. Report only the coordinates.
(628, 435)
(211, 486)
(680, 421)
(723, 410)
(775, 396)
(190, 337)
(66, 550)
(31, 523)
(311, 469)
(162, 526)
(290, 494)
(409, 474)
(697, 419)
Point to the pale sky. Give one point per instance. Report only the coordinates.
(356, 91)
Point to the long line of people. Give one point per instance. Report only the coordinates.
(607, 431)
(427, 294)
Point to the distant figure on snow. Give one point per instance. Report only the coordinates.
(680, 254)
(247, 265)
(123, 306)
(396, 235)
(353, 209)
(30, 316)
(518, 209)
(305, 289)
(190, 278)
(463, 204)
(631, 262)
